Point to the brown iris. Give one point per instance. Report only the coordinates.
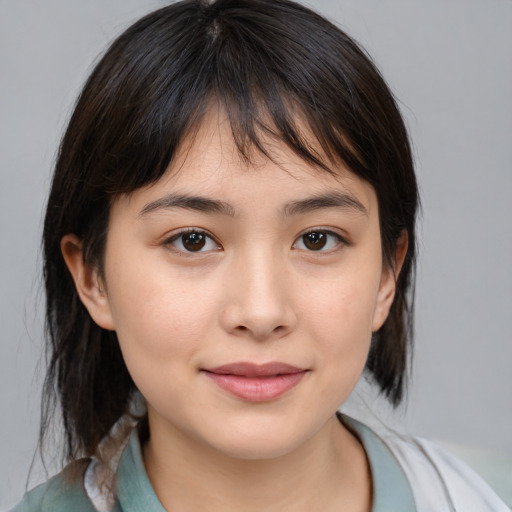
(193, 241)
(315, 240)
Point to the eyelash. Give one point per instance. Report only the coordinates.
(204, 236)
(339, 240)
(177, 237)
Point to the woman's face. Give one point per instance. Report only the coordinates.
(244, 296)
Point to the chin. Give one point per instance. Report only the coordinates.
(259, 440)
(263, 447)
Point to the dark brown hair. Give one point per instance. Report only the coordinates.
(273, 66)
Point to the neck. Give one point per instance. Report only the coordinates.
(329, 472)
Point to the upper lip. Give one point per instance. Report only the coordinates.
(247, 369)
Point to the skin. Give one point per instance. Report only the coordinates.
(255, 292)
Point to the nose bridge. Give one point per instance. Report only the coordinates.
(259, 303)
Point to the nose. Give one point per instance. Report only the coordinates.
(258, 300)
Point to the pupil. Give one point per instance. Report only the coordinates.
(315, 241)
(193, 241)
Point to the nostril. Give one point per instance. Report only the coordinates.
(259, 321)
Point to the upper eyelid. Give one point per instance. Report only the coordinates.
(181, 231)
(341, 240)
(169, 239)
(324, 229)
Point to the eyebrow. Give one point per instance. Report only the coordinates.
(342, 200)
(206, 205)
(197, 203)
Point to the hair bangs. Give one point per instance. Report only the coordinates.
(163, 95)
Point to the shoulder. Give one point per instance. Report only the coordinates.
(434, 471)
(61, 493)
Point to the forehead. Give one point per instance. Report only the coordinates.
(210, 160)
(209, 163)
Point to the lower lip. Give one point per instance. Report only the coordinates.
(257, 389)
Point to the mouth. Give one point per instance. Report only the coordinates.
(256, 383)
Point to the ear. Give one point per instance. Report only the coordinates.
(388, 280)
(88, 283)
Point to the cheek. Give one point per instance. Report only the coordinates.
(159, 332)
(155, 314)
(345, 306)
(340, 317)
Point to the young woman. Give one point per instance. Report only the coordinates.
(229, 244)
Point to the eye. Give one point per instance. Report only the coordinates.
(192, 240)
(319, 240)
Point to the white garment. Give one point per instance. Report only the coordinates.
(440, 481)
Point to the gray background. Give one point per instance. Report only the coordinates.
(449, 64)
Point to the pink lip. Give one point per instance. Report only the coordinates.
(256, 383)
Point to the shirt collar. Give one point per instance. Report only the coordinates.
(391, 490)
